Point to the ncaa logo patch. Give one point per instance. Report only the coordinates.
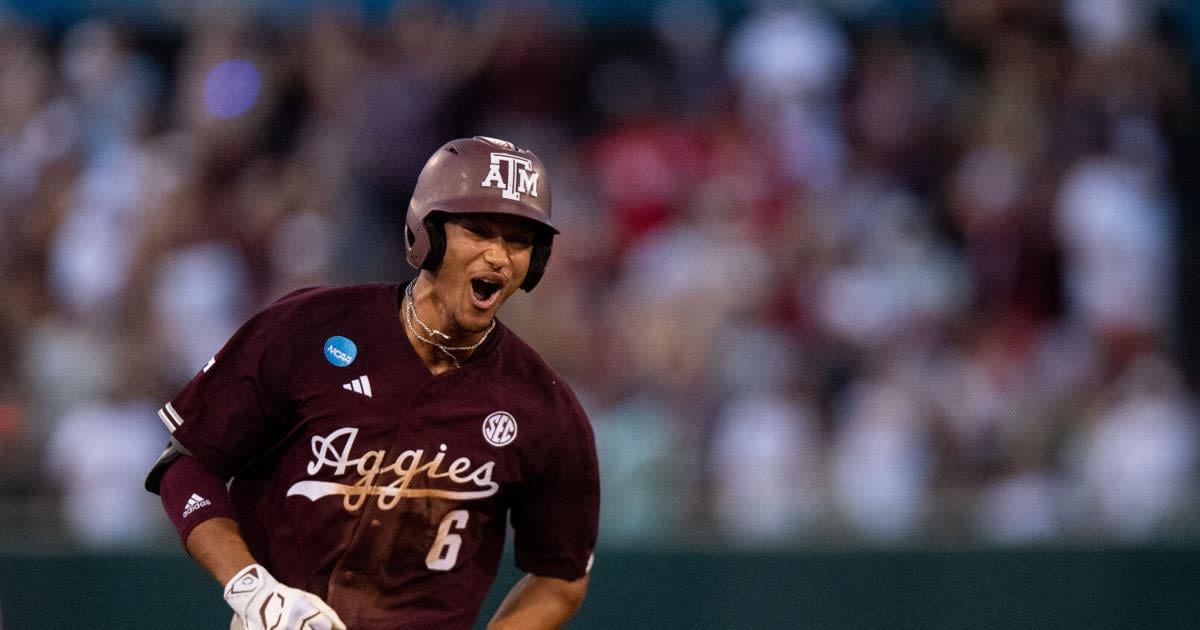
(340, 351)
(500, 428)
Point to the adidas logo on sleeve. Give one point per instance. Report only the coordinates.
(195, 503)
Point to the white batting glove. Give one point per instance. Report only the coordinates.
(260, 602)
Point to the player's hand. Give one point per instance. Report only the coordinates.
(260, 602)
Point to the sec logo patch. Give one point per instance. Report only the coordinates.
(500, 428)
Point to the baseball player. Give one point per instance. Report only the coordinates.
(349, 458)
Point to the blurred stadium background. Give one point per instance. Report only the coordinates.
(884, 311)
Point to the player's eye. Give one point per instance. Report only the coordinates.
(476, 229)
(520, 239)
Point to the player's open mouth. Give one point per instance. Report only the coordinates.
(485, 291)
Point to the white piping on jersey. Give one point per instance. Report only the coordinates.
(173, 421)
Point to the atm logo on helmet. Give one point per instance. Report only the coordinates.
(513, 175)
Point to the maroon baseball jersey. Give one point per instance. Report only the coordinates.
(361, 477)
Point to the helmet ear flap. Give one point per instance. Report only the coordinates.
(537, 262)
(435, 228)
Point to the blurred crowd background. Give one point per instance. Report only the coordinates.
(852, 272)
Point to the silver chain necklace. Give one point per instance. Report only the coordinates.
(410, 314)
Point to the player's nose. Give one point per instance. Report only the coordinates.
(495, 252)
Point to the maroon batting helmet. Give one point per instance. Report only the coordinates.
(478, 174)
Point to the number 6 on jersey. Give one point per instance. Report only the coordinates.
(444, 552)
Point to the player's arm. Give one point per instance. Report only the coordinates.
(198, 503)
(539, 602)
(232, 410)
(555, 518)
(218, 546)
